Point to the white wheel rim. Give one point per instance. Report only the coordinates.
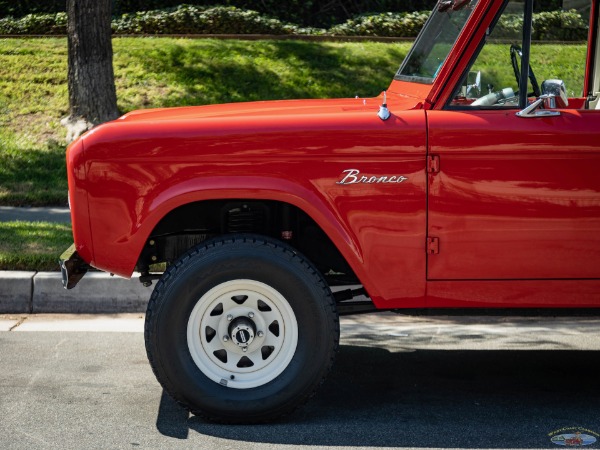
(242, 334)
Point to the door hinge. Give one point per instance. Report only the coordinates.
(433, 245)
(433, 164)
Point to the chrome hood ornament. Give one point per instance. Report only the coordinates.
(384, 112)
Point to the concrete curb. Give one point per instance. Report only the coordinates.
(42, 292)
(16, 291)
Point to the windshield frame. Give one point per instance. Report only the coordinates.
(424, 44)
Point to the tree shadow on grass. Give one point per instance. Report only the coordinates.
(211, 71)
(33, 176)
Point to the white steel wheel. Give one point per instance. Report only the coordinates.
(242, 334)
(241, 329)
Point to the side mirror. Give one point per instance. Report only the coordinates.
(557, 94)
(473, 84)
(554, 96)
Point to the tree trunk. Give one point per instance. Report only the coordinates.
(92, 95)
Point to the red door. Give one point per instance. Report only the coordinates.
(514, 198)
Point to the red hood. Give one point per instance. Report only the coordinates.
(273, 108)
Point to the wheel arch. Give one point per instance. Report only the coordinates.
(207, 206)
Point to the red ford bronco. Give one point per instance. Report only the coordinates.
(470, 183)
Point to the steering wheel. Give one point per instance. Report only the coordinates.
(515, 55)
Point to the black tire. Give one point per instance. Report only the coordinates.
(184, 322)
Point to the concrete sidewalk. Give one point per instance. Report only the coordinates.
(53, 214)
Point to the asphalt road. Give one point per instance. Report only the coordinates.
(397, 382)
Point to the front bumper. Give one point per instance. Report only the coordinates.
(72, 267)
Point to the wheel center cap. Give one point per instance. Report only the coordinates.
(242, 331)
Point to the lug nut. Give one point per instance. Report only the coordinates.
(229, 317)
(225, 338)
(251, 315)
(260, 334)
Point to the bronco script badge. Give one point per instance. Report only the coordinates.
(353, 176)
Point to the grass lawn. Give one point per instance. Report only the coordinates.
(548, 61)
(32, 245)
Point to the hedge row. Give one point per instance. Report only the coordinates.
(35, 24)
(550, 26)
(184, 19)
(384, 24)
(317, 13)
(187, 19)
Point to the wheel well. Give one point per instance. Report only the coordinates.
(193, 223)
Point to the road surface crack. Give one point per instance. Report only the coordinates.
(18, 324)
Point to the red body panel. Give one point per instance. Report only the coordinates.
(78, 201)
(519, 200)
(514, 294)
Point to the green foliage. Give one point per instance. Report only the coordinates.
(32, 245)
(383, 24)
(559, 26)
(183, 72)
(187, 19)
(548, 61)
(31, 174)
(35, 24)
(547, 26)
(312, 13)
(33, 99)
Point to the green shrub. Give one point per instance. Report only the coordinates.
(35, 24)
(384, 24)
(559, 26)
(547, 26)
(317, 13)
(320, 13)
(187, 19)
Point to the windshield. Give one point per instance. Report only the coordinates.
(435, 41)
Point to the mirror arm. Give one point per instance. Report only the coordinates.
(532, 110)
